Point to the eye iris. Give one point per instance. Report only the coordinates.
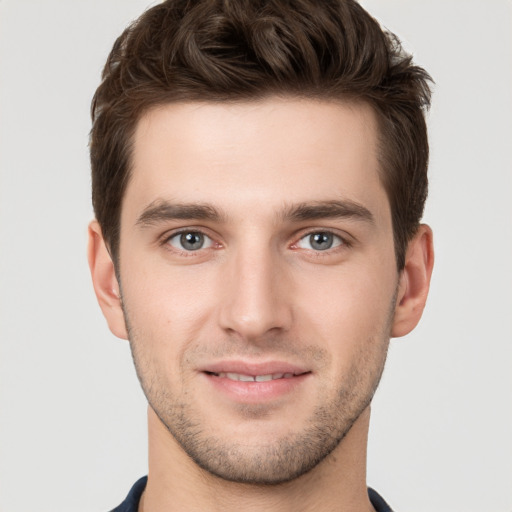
(321, 241)
(192, 241)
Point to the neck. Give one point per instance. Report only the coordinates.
(175, 481)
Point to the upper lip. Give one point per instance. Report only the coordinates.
(252, 368)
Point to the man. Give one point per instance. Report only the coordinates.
(259, 176)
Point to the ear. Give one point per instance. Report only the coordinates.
(105, 282)
(414, 282)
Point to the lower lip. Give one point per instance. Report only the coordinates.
(255, 392)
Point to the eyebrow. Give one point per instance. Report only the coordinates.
(161, 211)
(343, 209)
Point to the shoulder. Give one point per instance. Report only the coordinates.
(131, 502)
(378, 502)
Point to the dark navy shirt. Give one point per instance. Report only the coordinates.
(131, 503)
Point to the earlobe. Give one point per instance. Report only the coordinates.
(104, 281)
(414, 282)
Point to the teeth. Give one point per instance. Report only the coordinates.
(262, 378)
(258, 378)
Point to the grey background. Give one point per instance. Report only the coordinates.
(72, 417)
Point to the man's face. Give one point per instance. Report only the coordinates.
(258, 278)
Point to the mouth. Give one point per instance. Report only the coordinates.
(255, 383)
(254, 378)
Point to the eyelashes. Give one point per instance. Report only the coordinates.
(195, 242)
(320, 241)
(190, 241)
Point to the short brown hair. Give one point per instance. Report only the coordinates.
(232, 50)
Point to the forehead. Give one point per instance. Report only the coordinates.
(268, 152)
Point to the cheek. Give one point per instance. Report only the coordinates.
(165, 314)
(350, 307)
(166, 305)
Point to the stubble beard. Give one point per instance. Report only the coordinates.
(279, 461)
(285, 458)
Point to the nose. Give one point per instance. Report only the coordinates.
(255, 295)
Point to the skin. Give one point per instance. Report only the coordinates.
(257, 180)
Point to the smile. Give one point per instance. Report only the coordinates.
(254, 382)
(254, 378)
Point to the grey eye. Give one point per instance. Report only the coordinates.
(320, 241)
(190, 241)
